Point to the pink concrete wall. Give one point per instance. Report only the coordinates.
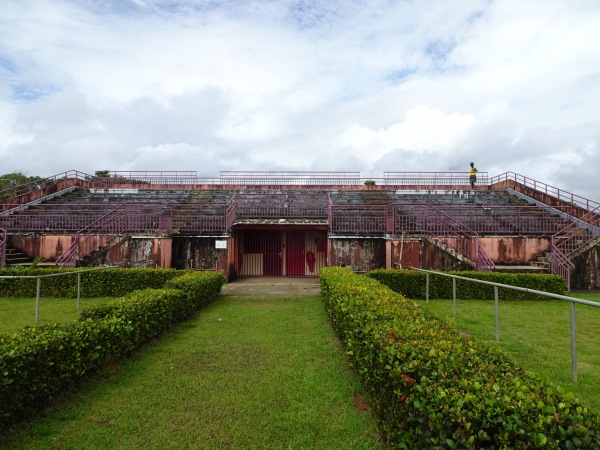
(44, 246)
(148, 252)
(515, 250)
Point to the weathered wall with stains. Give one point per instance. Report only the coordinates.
(200, 253)
(149, 252)
(403, 253)
(128, 252)
(435, 258)
(515, 250)
(360, 254)
(586, 274)
(45, 246)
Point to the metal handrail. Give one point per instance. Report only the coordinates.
(567, 242)
(572, 301)
(559, 194)
(453, 230)
(39, 280)
(286, 174)
(100, 226)
(3, 239)
(40, 183)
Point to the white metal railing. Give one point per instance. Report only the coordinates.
(572, 301)
(39, 284)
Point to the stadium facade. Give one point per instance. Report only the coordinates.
(250, 223)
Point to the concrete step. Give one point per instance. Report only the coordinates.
(520, 269)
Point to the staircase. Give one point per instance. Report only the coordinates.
(572, 241)
(16, 257)
(542, 262)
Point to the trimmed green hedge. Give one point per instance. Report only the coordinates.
(431, 387)
(37, 364)
(411, 284)
(98, 283)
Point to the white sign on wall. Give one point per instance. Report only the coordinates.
(220, 244)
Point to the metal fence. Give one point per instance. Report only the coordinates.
(571, 300)
(38, 279)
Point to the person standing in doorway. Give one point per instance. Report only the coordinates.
(473, 175)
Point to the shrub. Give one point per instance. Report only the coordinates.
(37, 364)
(411, 283)
(431, 387)
(97, 283)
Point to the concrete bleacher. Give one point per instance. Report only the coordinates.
(359, 211)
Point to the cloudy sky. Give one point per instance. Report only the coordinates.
(319, 85)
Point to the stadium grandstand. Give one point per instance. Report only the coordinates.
(291, 223)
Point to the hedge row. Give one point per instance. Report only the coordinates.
(431, 387)
(411, 284)
(37, 364)
(98, 283)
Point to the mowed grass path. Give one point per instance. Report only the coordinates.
(246, 373)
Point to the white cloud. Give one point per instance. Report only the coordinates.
(352, 85)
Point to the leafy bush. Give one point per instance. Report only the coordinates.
(37, 364)
(98, 283)
(431, 387)
(411, 283)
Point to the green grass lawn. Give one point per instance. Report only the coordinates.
(536, 334)
(246, 373)
(20, 312)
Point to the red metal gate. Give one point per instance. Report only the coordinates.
(261, 253)
(295, 253)
(274, 253)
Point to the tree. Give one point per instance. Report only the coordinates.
(12, 184)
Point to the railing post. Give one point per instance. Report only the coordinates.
(78, 290)
(573, 344)
(37, 298)
(427, 288)
(496, 315)
(454, 296)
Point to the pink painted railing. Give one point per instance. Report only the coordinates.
(230, 212)
(41, 183)
(504, 219)
(68, 217)
(560, 264)
(569, 241)
(3, 239)
(281, 206)
(433, 180)
(557, 193)
(304, 178)
(429, 220)
(127, 217)
(361, 219)
(199, 217)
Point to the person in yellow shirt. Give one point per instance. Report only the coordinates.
(473, 175)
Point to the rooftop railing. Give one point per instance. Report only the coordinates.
(432, 180)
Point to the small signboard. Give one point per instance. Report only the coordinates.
(220, 244)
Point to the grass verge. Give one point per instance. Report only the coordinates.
(245, 373)
(536, 334)
(20, 312)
